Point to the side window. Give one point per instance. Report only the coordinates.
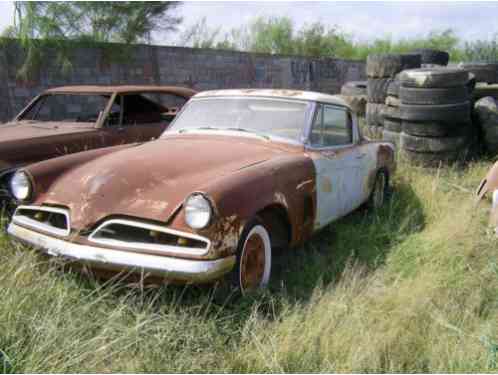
(150, 108)
(332, 126)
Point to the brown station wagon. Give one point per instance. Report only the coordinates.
(65, 120)
(237, 174)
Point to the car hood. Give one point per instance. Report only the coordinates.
(19, 131)
(150, 181)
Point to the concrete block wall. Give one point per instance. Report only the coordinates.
(200, 69)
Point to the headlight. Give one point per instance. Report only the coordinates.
(198, 211)
(20, 186)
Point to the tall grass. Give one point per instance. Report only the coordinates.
(411, 288)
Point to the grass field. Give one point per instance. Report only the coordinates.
(412, 288)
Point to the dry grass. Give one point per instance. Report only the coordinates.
(413, 288)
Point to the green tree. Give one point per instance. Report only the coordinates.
(272, 35)
(38, 24)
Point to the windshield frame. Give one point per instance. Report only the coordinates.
(309, 112)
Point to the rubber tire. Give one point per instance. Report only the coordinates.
(357, 103)
(374, 114)
(392, 101)
(377, 89)
(354, 88)
(393, 125)
(483, 72)
(235, 279)
(388, 65)
(393, 87)
(434, 77)
(486, 113)
(372, 203)
(434, 129)
(433, 96)
(459, 112)
(433, 144)
(391, 112)
(482, 90)
(432, 160)
(471, 84)
(486, 110)
(390, 136)
(432, 56)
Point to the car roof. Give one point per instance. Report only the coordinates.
(277, 93)
(119, 89)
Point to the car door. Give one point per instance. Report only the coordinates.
(338, 159)
(120, 128)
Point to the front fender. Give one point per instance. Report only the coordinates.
(44, 173)
(287, 181)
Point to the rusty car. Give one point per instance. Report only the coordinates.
(238, 174)
(70, 119)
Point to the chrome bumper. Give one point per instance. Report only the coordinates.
(197, 271)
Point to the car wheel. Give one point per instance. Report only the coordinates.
(380, 190)
(253, 258)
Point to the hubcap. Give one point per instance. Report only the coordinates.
(255, 260)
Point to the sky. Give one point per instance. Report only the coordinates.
(364, 20)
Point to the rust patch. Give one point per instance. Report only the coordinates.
(326, 185)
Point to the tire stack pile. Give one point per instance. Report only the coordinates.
(436, 115)
(486, 111)
(381, 71)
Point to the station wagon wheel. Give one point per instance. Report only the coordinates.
(253, 258)
(379, 192)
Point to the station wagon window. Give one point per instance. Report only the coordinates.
(145, 108)
(332, 126)
(67, 108)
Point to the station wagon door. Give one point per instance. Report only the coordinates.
(339, 162)
(143, 116)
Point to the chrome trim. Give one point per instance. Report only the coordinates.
(161, 249)
(167, 267)
(30, 223)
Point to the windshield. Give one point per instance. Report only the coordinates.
(269, 117)
(67, 108)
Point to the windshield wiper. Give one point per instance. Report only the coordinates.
(199, 128)
(249, 131)
(222, 129)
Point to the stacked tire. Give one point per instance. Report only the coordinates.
(355, 94)
(486, 111)
(483, 72)
(432, 57)
(436, 115)
(381, 71)
(391, 114)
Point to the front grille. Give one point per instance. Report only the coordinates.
(154, 238)
(53, 220)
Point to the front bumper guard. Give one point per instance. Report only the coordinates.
(185, 270)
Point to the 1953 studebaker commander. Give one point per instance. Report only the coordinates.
(237, 174)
